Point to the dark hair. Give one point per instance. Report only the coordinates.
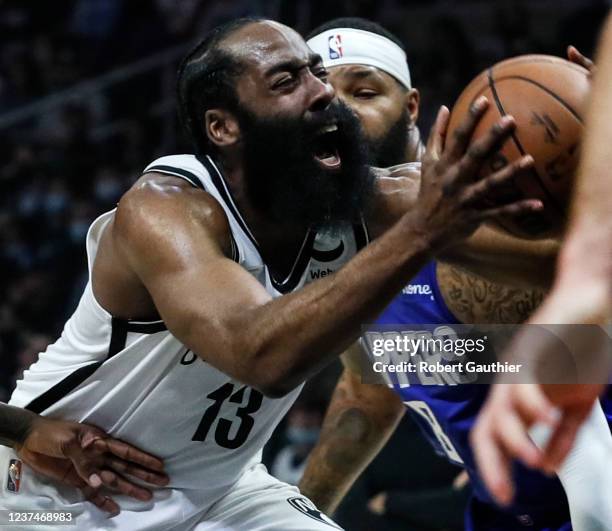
(206, 79)
(356, 23)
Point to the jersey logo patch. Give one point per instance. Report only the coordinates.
(14, 476)
(417, 289)
(305, 506)
(334, 43)
(328, 256)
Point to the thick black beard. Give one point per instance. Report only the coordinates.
(391, 148)
(287, 185)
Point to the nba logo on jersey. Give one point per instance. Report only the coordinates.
(14, 476)
(335, 46)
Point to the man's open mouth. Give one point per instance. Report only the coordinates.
(326, 148)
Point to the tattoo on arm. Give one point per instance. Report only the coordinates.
(473, 299)
(15, 425)
(360, 419)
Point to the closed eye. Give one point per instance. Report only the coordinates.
(321, 73)
(365, 94)
(284, 81)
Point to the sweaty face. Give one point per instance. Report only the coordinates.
(302, 151)
(380, 104)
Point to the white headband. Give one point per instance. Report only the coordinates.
(349, 46)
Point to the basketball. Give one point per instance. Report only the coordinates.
(547, 97)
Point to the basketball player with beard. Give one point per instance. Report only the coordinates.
(203, 315)
(371, 76)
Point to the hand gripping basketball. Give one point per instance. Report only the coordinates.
(450, 201)
(547, 98)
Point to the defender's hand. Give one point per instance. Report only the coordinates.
(452, 188)
(86, 457)
(501, 434)
(576, 356)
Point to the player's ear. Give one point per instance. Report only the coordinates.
(412, 101)
(221, 127)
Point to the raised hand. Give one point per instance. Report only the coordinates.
(450, 201)
(560, 400)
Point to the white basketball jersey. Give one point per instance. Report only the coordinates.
(139, 383)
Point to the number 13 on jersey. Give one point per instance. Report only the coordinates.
(243, 416)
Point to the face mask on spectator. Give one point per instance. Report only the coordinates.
(55, 202)
(302, 436)
(19, 254)
(29, 203)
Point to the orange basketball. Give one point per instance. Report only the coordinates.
(547, 97)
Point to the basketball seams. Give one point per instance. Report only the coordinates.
(542, 59)
(551, 198)
(534, 59)
(548, 91)
(500, 220)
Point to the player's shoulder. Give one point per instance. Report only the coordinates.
(161, 201)
(185, 166)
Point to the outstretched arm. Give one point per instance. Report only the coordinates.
(359, 421)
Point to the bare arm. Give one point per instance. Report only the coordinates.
(506, 259)
(359, 421)
(79, 455)
(490, 253)
(223, 314)
(582, 294)
(473, 299)
(15, 425)
(173, 241)
(590, 227)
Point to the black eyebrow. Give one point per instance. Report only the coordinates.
(362, 74)
(294, 65)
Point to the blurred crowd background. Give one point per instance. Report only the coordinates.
(87, 100)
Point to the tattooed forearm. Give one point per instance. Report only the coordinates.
(15, 425)
(359, 421)
(473, 299)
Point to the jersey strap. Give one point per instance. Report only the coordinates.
(177, 172)
(119, 331)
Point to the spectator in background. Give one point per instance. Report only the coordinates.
(513, 26)
(32, 345)
(429, 494)
(302, 433)
(448, 68)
